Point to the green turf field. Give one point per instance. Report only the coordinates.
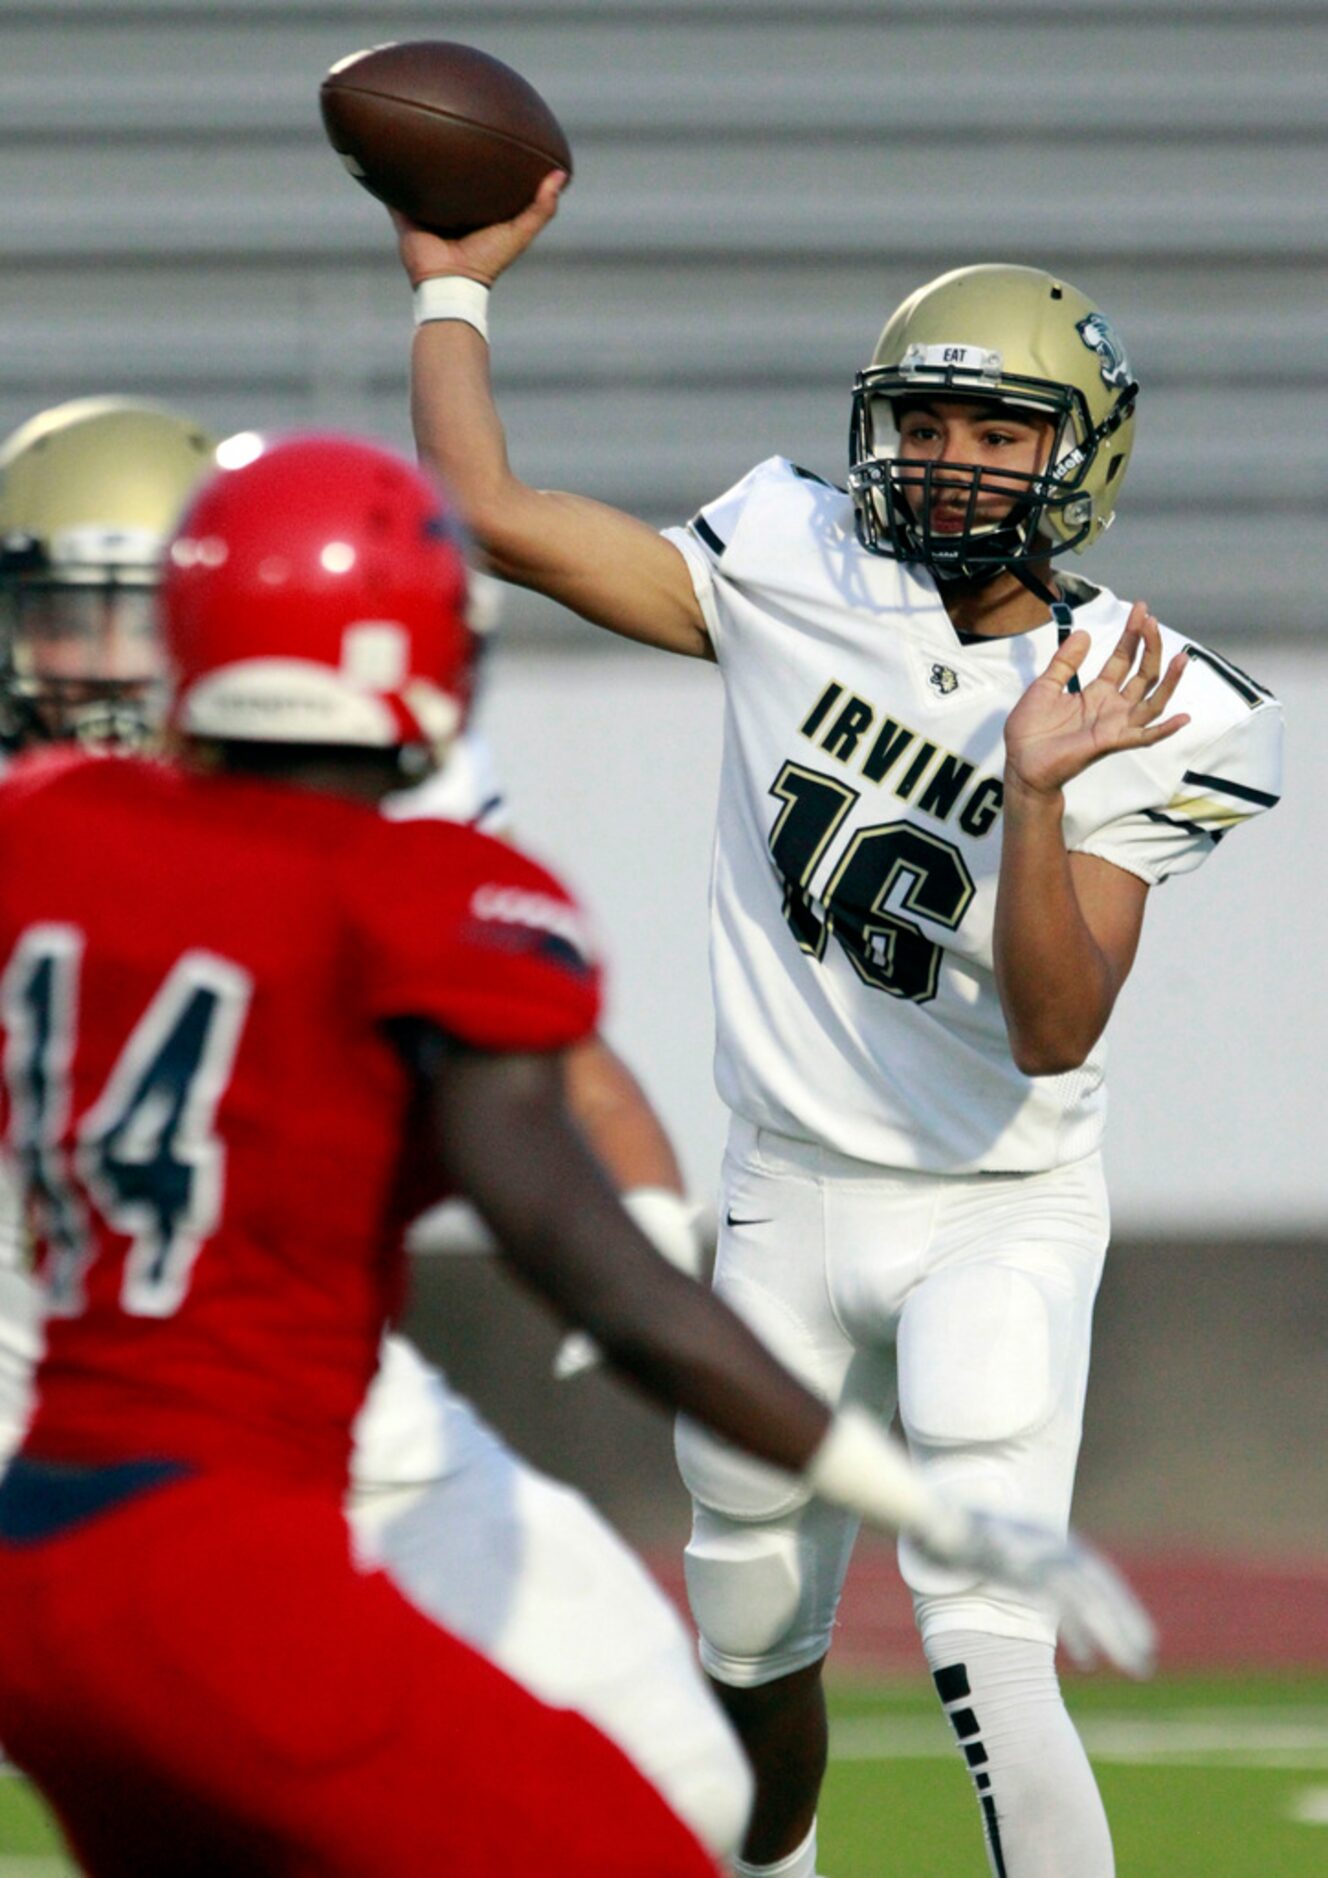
(1203, 1777)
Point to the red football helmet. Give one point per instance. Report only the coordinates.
(315, 593)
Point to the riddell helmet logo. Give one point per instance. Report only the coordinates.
(943, 679)
(1096, 332)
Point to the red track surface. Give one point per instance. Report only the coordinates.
(1211, 1612)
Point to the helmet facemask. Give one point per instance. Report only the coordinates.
(80, 660)
(89, 492)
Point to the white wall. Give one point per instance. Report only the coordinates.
(1220, 1041)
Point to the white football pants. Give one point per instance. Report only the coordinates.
(966, 1301)
(526, 1571)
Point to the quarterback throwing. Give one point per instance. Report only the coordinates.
(952, 773)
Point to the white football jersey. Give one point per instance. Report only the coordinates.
(858, 835)
(20, 1318)
(20, 1315)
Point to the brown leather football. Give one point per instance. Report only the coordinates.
(447, 134)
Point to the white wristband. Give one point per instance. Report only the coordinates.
(453, 297)
(669, 1222)
(860, 1466)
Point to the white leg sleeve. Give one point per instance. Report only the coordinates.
(1041, 1810)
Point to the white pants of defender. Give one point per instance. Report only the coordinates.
(521, 1567)
(525, 1570)
(965, 1301)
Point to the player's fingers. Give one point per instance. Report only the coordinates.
(1154, 733)
(544, 205)
(1100, 1617)
(1174, 673)
(1069, 656)
(1145, 675)
(422, 251)
(1077, 1643)
(1118, 665)
(1146, 704)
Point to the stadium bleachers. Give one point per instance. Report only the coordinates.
(756, 187)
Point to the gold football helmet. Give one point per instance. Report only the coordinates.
(89, 494)
(1021, 339)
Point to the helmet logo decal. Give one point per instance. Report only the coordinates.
(1096, 331)
(944, 679)
(375, 654)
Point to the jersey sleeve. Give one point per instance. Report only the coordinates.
(706, 540)
(473, 936)
(1225, 783)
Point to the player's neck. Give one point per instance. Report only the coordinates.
(362, 775)
(997, 608)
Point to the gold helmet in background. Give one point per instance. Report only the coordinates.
(1025, 341)
(89, 494)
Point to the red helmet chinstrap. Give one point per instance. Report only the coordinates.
(315, 593)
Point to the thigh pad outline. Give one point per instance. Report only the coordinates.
(978, 1358)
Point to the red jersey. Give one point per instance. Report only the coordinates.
(201, 1099)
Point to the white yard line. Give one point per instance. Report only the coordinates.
(1310, 1807)
(1273, 1738)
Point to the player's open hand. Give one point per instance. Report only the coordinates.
(1099, 1616)
(1057, 729)
(484, 253)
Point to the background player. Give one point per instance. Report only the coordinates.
(89, 491)
(928, 891)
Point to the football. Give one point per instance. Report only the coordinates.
(448, 135)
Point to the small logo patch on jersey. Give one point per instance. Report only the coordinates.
(548, 925)
(1096, 331)
(944, 679)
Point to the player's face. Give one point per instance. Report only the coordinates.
(985, 453)
(88, 658)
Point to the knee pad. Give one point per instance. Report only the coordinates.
(764, 1597)
(978, 1362)
(744, 1584)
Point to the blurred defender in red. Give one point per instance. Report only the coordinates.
(249, 1026)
